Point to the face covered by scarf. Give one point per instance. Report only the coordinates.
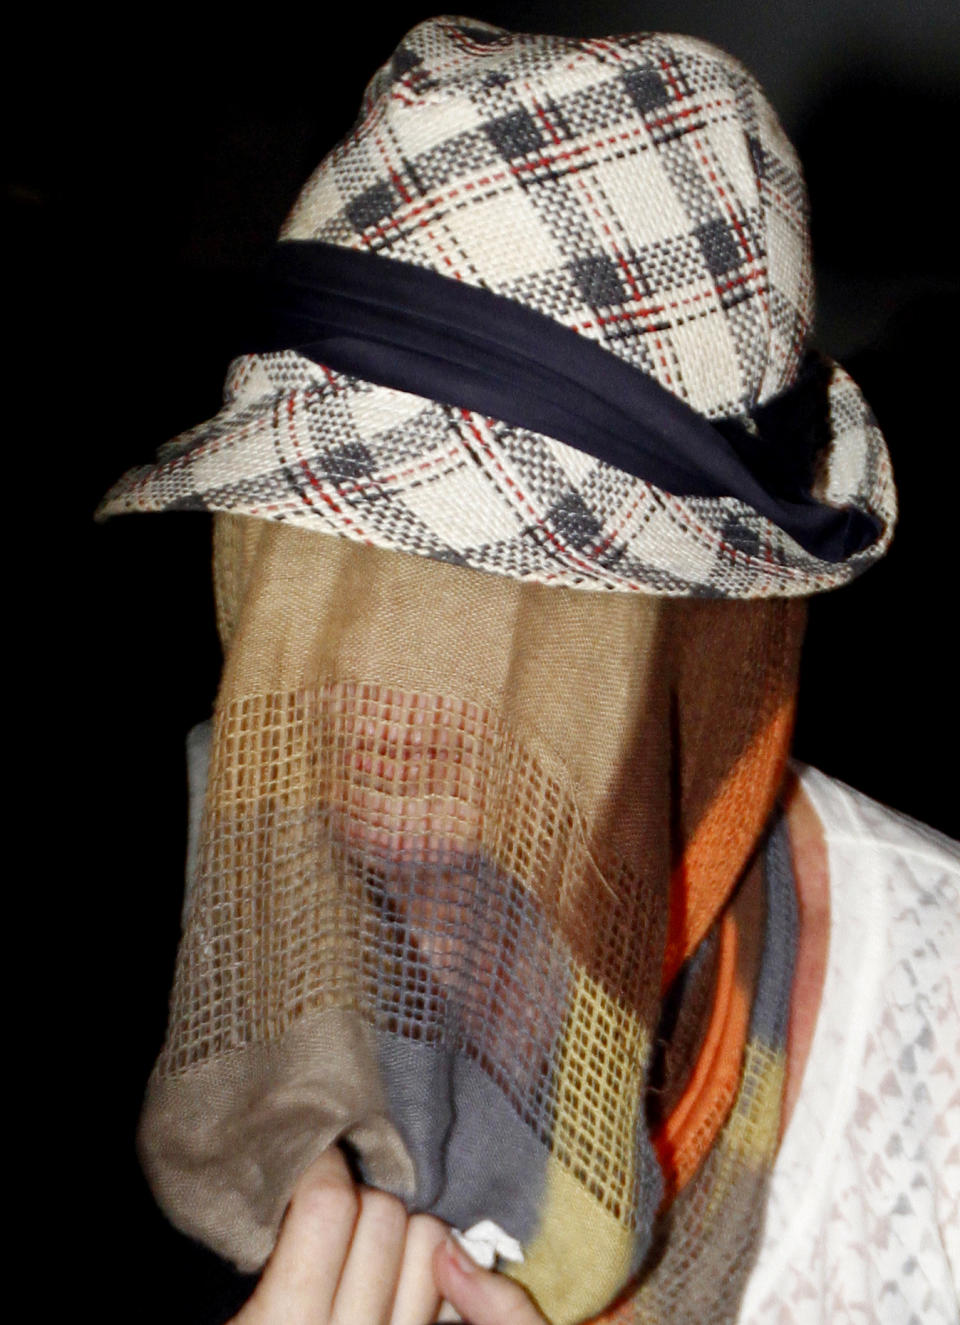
(468, 847)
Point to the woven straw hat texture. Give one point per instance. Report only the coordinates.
(638, 190)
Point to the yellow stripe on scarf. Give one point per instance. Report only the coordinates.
(583, 1251)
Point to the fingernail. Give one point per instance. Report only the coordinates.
(463, 1261)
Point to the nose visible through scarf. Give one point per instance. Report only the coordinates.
(419, 783)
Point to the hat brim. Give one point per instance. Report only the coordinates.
(301, 443)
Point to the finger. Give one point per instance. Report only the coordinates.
(481, 1296)
(369, 1280)
(300, 1280)
(417, 1299)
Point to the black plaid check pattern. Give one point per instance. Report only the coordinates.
(638, 190)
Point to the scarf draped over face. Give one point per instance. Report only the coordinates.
(462, 903)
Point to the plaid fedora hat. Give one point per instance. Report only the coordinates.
(545, 312)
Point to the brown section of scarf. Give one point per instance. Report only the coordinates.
(663, 725)
(682, 706)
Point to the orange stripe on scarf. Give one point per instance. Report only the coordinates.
(688, 1134)
(725, 837)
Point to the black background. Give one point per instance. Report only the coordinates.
(155, 154)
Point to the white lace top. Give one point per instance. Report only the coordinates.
(863, 1222)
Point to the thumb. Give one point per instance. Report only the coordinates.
(480, 1296)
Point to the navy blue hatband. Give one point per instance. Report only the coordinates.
(409, 328)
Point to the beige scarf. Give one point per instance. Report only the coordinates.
(461, 834)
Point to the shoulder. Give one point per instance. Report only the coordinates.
(863, 1195)
(894, 890)
(851, 819)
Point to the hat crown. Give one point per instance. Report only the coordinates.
(638, 189)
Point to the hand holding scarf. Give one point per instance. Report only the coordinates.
(347, 1255)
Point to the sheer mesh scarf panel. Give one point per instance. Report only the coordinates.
(460, 836)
